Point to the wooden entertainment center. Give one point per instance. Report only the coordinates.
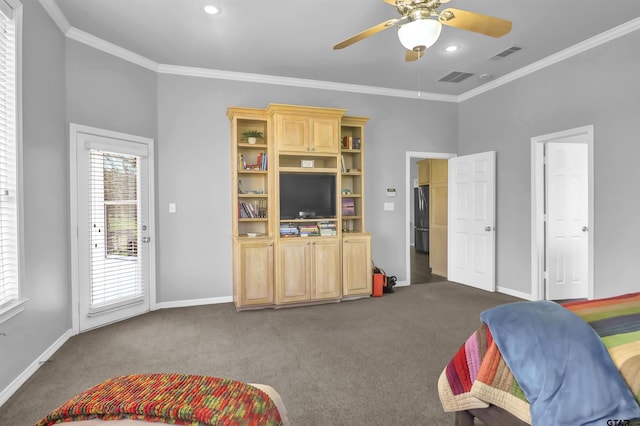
(290, 261)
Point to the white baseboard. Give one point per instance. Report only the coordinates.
(193, 302)
(24, 376)
(514, 293)
(504, 290)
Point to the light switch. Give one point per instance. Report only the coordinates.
(389, 206)
(172, 207)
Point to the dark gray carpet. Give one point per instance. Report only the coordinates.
(364, 362)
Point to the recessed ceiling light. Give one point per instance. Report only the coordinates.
(211, 9)
(452, 48)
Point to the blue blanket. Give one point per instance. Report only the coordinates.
(561, 364)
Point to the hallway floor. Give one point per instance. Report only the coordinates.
(420, 271)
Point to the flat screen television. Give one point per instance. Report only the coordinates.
(307, 195)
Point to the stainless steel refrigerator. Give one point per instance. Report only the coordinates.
(421, 218)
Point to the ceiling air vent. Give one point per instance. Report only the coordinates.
(456, 77)
(507, 52)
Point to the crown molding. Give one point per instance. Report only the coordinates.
(115, 50)
(90, 40)
(560, 56)
(299, 82)
(56, 14)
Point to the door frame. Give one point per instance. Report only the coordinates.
(538, 244)
(409, 157)
(74, 130)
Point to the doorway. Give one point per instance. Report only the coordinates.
(562, 215)
(112, 226)
(417, 262)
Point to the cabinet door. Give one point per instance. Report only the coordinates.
(293, 132)
(423, 172)
(325, 269)
(438, 217)
(293, 274)
(325, 134)
(255, 280)
(356, 264)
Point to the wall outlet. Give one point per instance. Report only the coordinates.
(172, 207)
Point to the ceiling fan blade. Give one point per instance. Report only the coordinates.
(412, 55)
(476, 22)
(366, 33)
(393, 2)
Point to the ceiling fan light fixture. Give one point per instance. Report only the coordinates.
(419, 34)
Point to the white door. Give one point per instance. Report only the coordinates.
(472, 220)
(567, 201)
(112, 228)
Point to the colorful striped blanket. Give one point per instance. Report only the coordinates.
(478, 376)
(170, 398)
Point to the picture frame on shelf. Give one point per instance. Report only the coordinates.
(348, 207)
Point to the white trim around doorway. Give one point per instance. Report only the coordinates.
(74, 130)
(583, 134)
(409, 157)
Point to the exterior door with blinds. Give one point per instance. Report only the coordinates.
(113, 229)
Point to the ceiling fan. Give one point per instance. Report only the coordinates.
(420, 24)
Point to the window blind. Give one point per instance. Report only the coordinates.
(9, 285)
(114, 220)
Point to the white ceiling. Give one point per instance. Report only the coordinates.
(294, 38)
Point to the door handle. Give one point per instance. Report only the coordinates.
(146, 239)
(585, 229)
(488, 228)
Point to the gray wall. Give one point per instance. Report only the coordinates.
(46, 281)
(109, 93)
(598, 87)
(194, 258)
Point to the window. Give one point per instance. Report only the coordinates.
(120, 187)
(114, 218)
(10, 20)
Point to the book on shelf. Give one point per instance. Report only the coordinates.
(242, 211)
(289, 230)
(344, 168)
(348, 207)
(262, 161)
(308, 230)
(256, 209)
(351, 142)
(262, 208)
(260, 164)
(326, 224)
(327, 229)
